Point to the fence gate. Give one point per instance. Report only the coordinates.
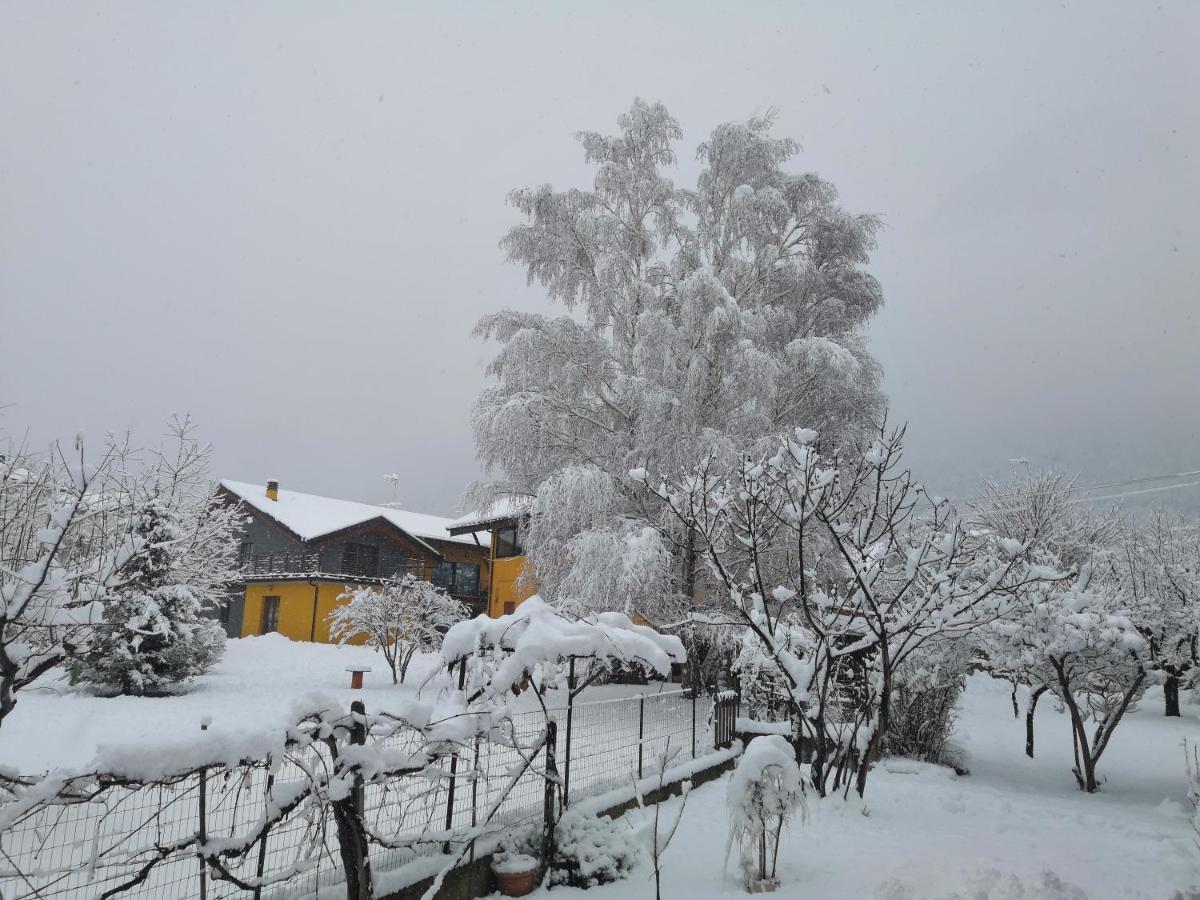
(725, 707)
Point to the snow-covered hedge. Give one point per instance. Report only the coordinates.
(592, 850)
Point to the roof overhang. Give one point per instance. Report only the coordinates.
(484, 525)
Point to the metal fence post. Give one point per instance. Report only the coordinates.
(570, 716)
(641, 729)
(262, 844)
(203, 832)
(694, 693)
(462, 677)
(474, 796)
(548, 805)
(203, 822)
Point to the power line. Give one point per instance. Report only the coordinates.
(1165, 487)
(1074, 488)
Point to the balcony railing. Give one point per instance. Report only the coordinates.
(283, 563)
(293, 563)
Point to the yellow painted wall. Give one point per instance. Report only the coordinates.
(295, 609)
(504, 587)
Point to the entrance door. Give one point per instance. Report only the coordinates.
(270, 615)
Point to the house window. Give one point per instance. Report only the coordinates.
(361, 560)
(245, 552)
(270, 615)
(457, 578)
(506, 542)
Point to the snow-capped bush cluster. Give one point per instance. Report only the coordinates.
(765, 792)
(536, 639)
(592, 850)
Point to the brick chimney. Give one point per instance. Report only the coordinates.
(272, 489)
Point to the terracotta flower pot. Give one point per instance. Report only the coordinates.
(515, 884)
(763, 886)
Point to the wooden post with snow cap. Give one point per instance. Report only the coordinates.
(356, 676)
(462, 680)
(549, 807)
(203, 833)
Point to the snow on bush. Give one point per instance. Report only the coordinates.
(592, 850)
(764, 793)
(397, 618)
(533, 640)
(925, 703)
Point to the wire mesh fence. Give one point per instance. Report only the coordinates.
(138, 841)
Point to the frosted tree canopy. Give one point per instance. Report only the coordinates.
(696, 321)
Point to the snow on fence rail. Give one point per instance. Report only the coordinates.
(115, 836)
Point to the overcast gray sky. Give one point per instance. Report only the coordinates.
(284, 217)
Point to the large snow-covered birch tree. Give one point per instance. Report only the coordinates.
(696, 321)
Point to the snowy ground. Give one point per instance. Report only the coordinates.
(929, 834)
(254, 687)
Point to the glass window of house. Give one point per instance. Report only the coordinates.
(360, 559)
(506, 542)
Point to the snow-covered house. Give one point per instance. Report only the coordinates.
(300, 551)
(504, 520)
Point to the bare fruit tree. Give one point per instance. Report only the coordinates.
(398, 618)
(839, 569)
(64, 544)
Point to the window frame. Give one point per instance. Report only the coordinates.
(269, 614)
(356, 555)
(455, 571)
(514, 547)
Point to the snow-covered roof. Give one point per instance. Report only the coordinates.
(311, 516)
(504, 508)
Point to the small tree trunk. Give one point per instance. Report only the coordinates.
(1033, 699)
(348, 816)
(7, 699)
(1016, 707)
(1171, 695)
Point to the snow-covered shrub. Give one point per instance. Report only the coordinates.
(764, 794)
(592, 850)
(763, 687)
(153, 635)
(397, 618)
(535, 642)
(925, 704)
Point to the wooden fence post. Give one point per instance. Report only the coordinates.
(548, 804)
(203, 831)
(203, 822)
(348, 816)
(262, 844)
